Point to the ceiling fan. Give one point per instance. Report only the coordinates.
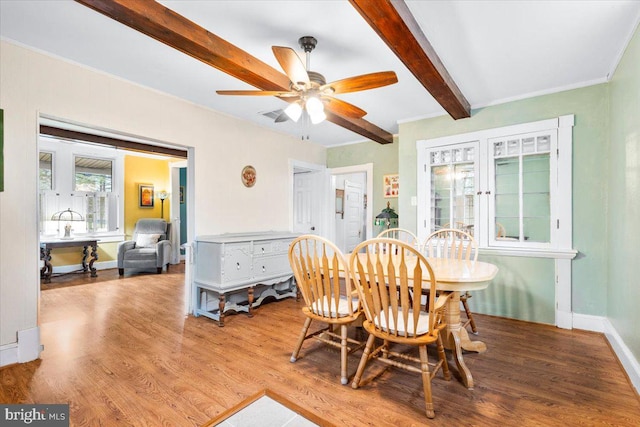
(309, 90)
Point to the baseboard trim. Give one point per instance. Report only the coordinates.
(588, 322)
(9, 354)
(629, 362)
(26, 349)
(625, 356)
(101, 265)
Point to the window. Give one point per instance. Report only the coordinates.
(521, 177)
(510, 187)
(452, 186)
(92, 174)
(84, 181)
(46, 171)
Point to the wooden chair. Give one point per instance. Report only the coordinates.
(400, 234)
(457, 244)
(385, 284)
(325, 284)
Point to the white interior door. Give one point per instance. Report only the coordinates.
(307, 202)
(353, 215)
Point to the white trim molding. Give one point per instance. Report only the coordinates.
(26, 349)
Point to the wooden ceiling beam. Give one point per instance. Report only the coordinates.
(166, 26)
(397, 27)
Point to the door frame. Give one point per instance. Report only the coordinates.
(367, 168)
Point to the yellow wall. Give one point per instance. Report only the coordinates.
(73, 256)
(137, 170)
(143, 170)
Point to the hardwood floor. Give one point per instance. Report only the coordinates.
(120, 352)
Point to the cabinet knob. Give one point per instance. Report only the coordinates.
(238, 265)
(263, 269)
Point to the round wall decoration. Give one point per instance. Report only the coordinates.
(248, 176)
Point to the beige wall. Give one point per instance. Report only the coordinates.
(33, 84)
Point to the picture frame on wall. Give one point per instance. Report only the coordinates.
(146, 195)
(390, 185)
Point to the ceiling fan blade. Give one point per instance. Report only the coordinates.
(362, 82)
(342, 108)
(257, 93)
(292, 66)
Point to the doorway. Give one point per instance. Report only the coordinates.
(85, 169)
(352, 223)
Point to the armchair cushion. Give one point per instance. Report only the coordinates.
(144, 240)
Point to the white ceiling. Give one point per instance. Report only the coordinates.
(494, 50)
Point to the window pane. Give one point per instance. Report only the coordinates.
(464, 190)
(440, 197)
(46, 171)
(92, 174)
(536, 197)
(507, 198)
(98, 212)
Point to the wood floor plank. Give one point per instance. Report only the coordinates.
(120, 352)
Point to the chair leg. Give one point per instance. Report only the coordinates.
(344, 352)
(465, 304)
(363, 361)
(426, 381)
(443, 356)
(301, 338)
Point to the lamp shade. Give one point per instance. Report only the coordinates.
(67, 216)
(388, 218)
(294, 111)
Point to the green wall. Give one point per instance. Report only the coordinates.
(623, 291)
(590, 153)
(385, 161)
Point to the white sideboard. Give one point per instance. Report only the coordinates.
(236, 272)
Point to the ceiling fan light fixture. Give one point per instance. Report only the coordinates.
(294, 111)
(314, 106)
(317, 117)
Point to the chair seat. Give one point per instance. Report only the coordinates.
(321, 307)
(421, 328)
(141, 254)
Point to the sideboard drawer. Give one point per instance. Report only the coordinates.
(270, 265)
(271, 247)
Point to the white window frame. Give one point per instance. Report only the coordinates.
(560, 245)
(64, 194)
